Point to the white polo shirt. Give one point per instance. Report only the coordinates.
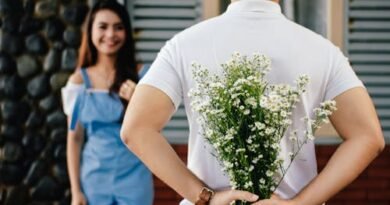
(250, 26)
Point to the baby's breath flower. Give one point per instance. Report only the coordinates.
(244, 118)
(269, 173)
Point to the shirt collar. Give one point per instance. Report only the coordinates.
(263, 6)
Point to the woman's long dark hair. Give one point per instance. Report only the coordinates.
(125, 64)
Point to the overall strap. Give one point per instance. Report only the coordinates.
(75, 114)
(86, 80)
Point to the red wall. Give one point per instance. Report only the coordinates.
(371, 188)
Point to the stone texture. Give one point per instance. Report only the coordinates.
(35, 119)
(29, 7)
(49, 103)
(29, 25)
(60, 153)
(54, 29)
(18, 195)
(3, 193)
(47, 189)
(12, 152)
(52, 60)
(75, 14)
(2, 141)
(58, 80)
(10, 173)
(36, 44)
(14, 112)
(27, 66)
(39, 86)
(11, 132)
(69, 59)
(11, 7)
(61, 174)
(7, 63)
(11, 43)
(33, 143)
(10, 24)
(48, 152)
(72, 37)
(12, 87)
(39, 40)
(58, 135)
(67, 199)
(37, 170)
(59, 45)
(66, 2)
(56, 119)
(46, 8)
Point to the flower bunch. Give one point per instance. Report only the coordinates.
(244, 118)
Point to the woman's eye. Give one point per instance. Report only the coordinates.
(119, 27)
(102, 27)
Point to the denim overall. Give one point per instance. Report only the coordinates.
(110, 173)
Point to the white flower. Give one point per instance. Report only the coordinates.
(228, 164)
(248, 184)
(259, 125)
(269, 130)
(244, 118)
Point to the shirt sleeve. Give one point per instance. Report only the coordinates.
(342, 76)
(164, 73)
(69, 95)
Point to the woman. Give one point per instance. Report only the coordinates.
(101, 169)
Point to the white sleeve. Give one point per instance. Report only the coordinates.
(342, 76)
(69, 95)
(164, 73)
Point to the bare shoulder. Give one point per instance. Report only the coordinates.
(76, 77)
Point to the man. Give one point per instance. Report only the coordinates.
(250, 26)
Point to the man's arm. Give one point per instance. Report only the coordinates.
(148, 112)
(357, 123)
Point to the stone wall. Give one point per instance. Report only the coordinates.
(38, 42)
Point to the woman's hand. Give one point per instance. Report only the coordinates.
(127, 89)
(228, 196)
(78, 198)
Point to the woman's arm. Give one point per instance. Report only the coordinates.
(75, 140)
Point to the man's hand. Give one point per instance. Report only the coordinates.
(275, 200)
(228, 196)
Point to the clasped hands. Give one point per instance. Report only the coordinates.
(228, 196)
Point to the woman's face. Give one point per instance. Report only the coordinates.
(108, 32)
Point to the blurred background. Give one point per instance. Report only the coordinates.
(39, 42)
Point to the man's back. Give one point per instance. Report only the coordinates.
(253, 26)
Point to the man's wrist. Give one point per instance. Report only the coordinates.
(204, 196)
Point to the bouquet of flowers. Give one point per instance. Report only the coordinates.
(244, 118)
